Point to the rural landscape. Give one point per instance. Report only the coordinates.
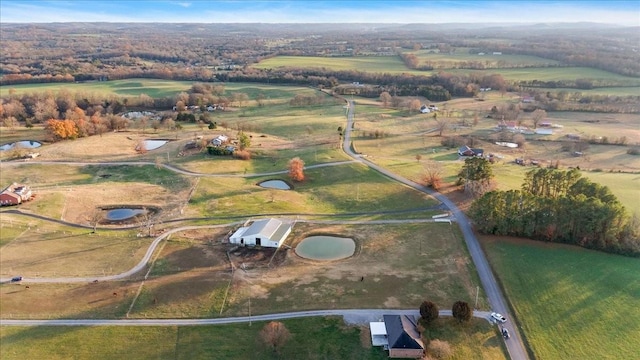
(273, 191)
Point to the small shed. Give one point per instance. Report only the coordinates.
(379, 334)
(265, 232)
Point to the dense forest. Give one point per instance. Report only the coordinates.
(559, 206)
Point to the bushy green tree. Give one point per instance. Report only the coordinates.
(476, 175)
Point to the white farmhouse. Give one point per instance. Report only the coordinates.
(266, 233)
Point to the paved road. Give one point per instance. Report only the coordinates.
(497, 301)
(350, 316)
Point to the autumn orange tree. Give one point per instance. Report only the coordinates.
(61, 129)
(296, 169)
(275, 335)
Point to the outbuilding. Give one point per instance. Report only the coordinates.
(265, 232)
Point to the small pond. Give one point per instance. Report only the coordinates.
(275, 184)
(27, 144)
(123, 214)
(154, 144)
(326, 248)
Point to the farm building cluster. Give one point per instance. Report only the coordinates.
(15, 194)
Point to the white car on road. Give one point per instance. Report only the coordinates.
(498, 317)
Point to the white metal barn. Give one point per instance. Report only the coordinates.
(266, 233)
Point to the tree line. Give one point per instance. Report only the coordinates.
(559, 206)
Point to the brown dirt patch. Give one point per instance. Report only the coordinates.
(365, 337)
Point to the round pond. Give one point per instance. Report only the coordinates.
(123, 214)
(275, 184)
(326, 248)
(27, 144)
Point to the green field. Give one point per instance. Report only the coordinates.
(445, 60)
(349, 188)
(381, 64)
(155, 88)
(129, 87)
(572, 303)
(312, 338)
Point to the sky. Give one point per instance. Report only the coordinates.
(620, 12)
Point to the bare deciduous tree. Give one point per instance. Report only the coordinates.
(275, 335)
(537, 115)
(441, 125)
(433, 174)
(385, 98)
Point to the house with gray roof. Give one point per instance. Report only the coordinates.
(403, 337)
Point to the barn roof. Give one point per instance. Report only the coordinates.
(265, 227)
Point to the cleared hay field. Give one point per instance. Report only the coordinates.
(571, 302)
(446, 60)
(130, 87)
(344, 189)
(36, 248)
(382, 64)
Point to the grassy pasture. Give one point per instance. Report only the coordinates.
(555, 74)
(348, 188)
(36, 248)
(400, 264)
(154, 88)
(128, 88)
(382, 64)
(444, 60)
(607, 91)
(572, 302)
(312, 338)
(394, 65)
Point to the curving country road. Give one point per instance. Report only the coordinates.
(515, 346)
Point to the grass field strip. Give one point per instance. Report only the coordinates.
(146, 276)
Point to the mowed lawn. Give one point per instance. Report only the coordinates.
(311, 338)
(382, 64)
(130, 87)
(572, 303)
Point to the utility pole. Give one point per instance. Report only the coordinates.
(477, 291)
